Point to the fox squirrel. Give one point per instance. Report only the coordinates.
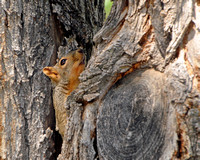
(64, 77)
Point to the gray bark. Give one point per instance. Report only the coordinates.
(139, 94)
(25, 108)
(30, 35)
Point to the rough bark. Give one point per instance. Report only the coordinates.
(25, 108)
(31, 33)
(139, 94)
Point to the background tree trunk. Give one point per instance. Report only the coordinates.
(139, 94)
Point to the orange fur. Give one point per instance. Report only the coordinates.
(64, 75)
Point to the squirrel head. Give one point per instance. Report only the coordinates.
(68, 68)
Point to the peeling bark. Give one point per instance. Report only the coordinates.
(133, 98)
(139, 94)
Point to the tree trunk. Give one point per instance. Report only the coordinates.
(139, 94)
(31, 33)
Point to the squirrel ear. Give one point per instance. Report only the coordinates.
(80, 50)
(51, 73)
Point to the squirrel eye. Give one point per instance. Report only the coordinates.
(63, 61)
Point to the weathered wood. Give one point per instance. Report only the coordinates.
(31, 33)
(139, 94)
(25, 108)
(150, 113)
(132, 118)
